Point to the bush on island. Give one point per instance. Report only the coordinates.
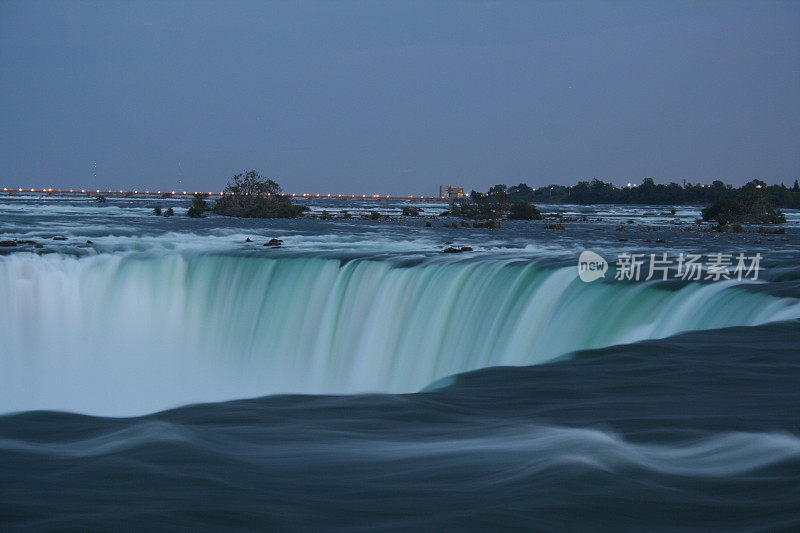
(749, 206)
(522, 210)
(251, 195)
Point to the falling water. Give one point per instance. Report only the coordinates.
(121, 334)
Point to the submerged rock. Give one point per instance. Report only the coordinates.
(7, 244)
(779, 231)
(490, 224)
(729, 228)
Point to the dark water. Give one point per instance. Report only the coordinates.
(695, 432)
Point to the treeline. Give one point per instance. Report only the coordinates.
(649, 192)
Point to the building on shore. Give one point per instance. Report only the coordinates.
(450, 192)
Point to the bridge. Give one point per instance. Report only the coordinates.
(181, 193)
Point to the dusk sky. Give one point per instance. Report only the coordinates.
(397, 97)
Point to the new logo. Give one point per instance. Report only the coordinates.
(591, 266)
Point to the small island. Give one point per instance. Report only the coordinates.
(250, 195)
(494, 205)
(748, 205)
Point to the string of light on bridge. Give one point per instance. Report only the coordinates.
(136, 192)
(50, 190)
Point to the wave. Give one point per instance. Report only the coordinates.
(538, 447)
(123, 334)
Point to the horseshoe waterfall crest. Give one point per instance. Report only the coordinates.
(120, 334)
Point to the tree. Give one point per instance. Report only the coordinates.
(521, 192)
(499, 197)
(479, 206)
(252, 184)
(522, 210)
(251, 195)
(199, 205)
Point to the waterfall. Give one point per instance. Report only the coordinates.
(120, 334)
